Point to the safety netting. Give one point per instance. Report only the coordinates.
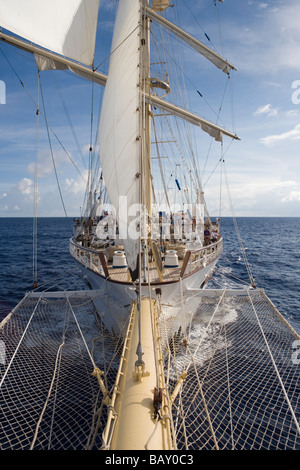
(50, 398)
(237, 357)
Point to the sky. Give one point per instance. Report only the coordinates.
(261, 38)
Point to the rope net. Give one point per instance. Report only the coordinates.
(49, 398)
(241, 389)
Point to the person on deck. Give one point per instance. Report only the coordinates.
(206, 236)
(214, 236)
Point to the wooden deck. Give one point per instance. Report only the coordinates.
(123, 275)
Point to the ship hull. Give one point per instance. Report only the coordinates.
(114, 299)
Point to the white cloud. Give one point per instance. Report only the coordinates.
(292, 113)
(25, 186)
(272, 42)
(271, 140)
(79, 185)
(292, 196)
(266, 109)
(74, 186)
(45, 163)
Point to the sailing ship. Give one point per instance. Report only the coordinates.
(145, 243)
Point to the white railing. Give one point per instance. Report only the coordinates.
(87, 257)
(196, 259)
(193, 260)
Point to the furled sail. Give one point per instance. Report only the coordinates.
(119, 143)
(65, 27)
(215, 58)
(47, 60)
(212, 129)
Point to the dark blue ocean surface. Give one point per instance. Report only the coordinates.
(272, 249)
(55, 266)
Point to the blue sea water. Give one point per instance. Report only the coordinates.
(271, 246)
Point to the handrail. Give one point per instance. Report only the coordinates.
(208, 250)
(208, 246)
(84, 248)
(100, 255)
(203, 248)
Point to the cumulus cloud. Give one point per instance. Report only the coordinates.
(18, 198)
(292, 113)
(271, 140)
(261, 6)
(267, 109)
(25, 186)
(74, 186)
(291, 196)
(45, 163)
(77, 185)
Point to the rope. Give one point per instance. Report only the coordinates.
(276, 369)
(40, 113)
(53, 161)
(56, 367)
(238, 233)
(71, 126)
(19, 344)
(197, 375)
(182, 312)
(81, 334)
(221, 180)
(231, 399)
(228, 385)
(204, 403)
(207, 327)
(119, 45)
(34, 230)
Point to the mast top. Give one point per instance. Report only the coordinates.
(160, 5)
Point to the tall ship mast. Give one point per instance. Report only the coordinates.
(153, 246)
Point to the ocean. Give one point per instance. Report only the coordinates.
(271, 247)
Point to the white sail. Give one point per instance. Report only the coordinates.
(119, 144)
(65, 27)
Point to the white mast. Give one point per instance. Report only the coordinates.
(146, 122)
